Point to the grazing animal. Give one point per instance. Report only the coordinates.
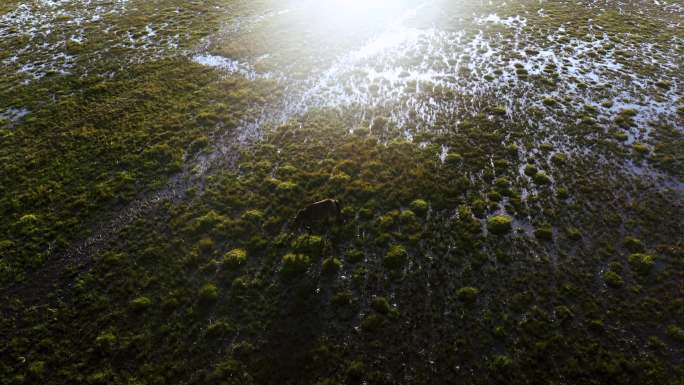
(324, 211)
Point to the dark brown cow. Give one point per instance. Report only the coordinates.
(324, 211)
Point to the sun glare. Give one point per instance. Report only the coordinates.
(355, 13)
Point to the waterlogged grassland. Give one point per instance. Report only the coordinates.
(101, 147)
(510, 178)
(588, 292)
(47, 38)
(553, 64)
(76, 145)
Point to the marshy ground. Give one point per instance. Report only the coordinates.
(511, 177)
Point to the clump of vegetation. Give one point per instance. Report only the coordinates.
(468, 294)
(355, 371)
(641, 148)
(209, 293)
(379, 125)
(453, 159)
(295, 264)
(620, 136)
(308, 244)
(419, 206)
(559, 158)
(613, 279)
(498, 110)
(625, 118)
(641, 263)
(494, 196)
(502, 363)
(479, 207)
(396, 257)
(549, 102)
(381, 305)
(286, 187)
(354, 256)
(205, 246)
(499, 224)
(544, 233)
(541, 178)
(574, 233)
(563, 313)
(664, 84)
(331, 266)
(407, 217)
(235, 258)
(502, 183)
(140, 304)
(106, 341)
(634, 244)
(253, 216)
(37, 369)
(219, 328)
(676, 333)
(373, 323)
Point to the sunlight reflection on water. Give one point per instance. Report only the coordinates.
(354, 13)
(424, 59)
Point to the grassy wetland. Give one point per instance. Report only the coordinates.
(510, 178)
